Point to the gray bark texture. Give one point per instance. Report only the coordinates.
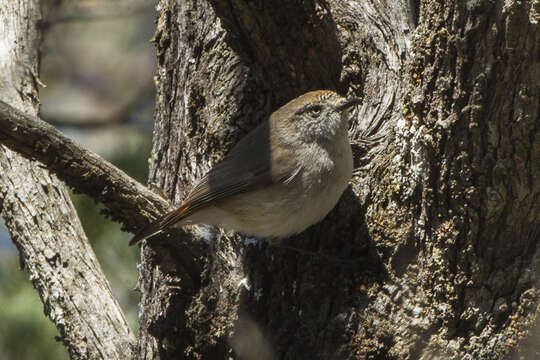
(433, 250)
(40, 216)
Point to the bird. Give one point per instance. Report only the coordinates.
(282, 177)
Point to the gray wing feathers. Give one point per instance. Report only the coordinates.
(255, 162)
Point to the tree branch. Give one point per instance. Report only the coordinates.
(126, 200)
(41, 219)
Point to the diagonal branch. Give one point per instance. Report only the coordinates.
(40, 216)
(125, 200)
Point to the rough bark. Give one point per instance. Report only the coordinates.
(470, 143)
(125, 200)
(40, 216)
(431, 253)
(442, 218)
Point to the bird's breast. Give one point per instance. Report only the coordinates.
(327, 167)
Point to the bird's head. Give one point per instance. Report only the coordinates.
(316, 116)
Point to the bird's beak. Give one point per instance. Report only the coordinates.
(347, 103)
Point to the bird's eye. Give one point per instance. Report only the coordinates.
(315, 111)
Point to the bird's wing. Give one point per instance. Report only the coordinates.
(255, 162)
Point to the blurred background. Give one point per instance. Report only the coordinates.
(97, 67)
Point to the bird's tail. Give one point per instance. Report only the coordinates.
(161, 224)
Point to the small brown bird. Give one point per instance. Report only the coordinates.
(284, 176)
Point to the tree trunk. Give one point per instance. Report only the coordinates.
(432, 252)
(41, 219)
